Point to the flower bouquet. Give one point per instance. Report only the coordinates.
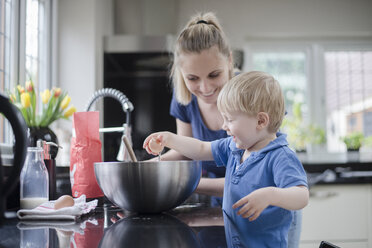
(54, 105)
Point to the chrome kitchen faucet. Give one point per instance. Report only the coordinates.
(126, 128)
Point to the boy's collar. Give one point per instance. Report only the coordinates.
(281, 140)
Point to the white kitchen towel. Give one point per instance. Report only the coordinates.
(46, 210)
(67, 226)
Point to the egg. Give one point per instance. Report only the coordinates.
(155, 146)
(63, 202)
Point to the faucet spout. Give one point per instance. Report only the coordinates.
(127, 108)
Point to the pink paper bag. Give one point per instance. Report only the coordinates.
(85, 151)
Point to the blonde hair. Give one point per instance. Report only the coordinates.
(251, 93)
(202, 32)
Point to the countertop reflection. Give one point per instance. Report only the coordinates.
(186, 226)
(161, 230)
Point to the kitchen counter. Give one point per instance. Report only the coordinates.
(186, 226)
(339, 173)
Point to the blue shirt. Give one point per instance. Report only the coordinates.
(191, 114)
(275, 165)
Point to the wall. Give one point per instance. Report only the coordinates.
(146, 17)
(247, 19)
(243, 19)
(81, 26)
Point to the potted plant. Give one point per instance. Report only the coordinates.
(353, 142)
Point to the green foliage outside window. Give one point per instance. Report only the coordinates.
(300, 134)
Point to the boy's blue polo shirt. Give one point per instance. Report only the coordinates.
(275, 165)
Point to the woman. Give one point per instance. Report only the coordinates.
(202, 64)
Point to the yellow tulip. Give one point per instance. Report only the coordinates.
(29, 86)
(70, 111)
(45, 96)
(20, 89)
(65, 102)
(25, 99)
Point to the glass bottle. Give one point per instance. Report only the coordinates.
(33, 237)
(34, 179)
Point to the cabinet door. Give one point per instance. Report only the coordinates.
(337, 213)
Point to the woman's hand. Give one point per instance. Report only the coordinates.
(253, 204)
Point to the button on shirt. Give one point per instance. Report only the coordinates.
(273, 166)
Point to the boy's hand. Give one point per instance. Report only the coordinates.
(253, 204)
(153, 144)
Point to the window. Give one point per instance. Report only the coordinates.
(331, 79)
(348, 78)
(25, 48)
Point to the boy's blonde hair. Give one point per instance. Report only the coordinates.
(202, 32)
(251, 93)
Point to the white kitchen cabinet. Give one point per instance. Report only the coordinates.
(340, 214)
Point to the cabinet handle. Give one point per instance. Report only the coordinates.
(322, 194)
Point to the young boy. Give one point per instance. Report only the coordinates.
(264, 179)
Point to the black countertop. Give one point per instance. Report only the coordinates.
(339, 173)
(185, 226)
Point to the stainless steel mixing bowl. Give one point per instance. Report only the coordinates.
(157, 231)
(148, 187)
